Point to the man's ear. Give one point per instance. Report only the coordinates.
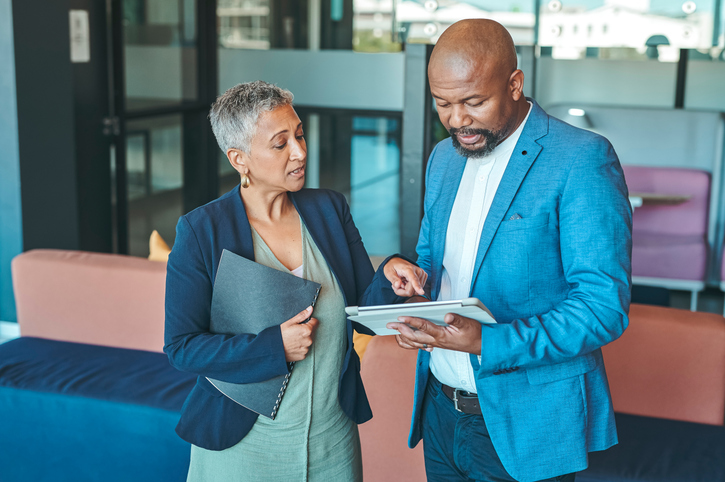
(238, 159)
(516, 84)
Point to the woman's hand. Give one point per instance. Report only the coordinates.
(406, 278)
(297, 337)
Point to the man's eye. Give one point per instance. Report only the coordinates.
(477, 104)
(443, 106)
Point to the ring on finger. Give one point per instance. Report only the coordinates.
(425, 346)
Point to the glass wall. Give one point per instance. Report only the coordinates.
(160, 53)
(154, 173)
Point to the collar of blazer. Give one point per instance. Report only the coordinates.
(525, 153)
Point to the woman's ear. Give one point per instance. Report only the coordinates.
(238, 159)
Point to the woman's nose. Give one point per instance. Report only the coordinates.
(298, 149)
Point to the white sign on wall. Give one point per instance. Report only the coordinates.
(80, 37)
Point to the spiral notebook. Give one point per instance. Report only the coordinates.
(248, 298)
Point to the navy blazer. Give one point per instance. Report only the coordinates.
(209, 419)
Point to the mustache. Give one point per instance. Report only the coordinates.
(467, 131)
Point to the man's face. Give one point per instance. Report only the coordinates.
(474, 104)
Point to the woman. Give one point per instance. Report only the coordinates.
(269, 218)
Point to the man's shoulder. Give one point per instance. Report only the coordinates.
(569, 135)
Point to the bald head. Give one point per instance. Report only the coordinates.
(477, 88)
(475, 44)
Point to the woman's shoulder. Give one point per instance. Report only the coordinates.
(221, 207)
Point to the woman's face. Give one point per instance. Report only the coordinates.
(278, 152)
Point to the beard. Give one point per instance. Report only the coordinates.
(492, 139)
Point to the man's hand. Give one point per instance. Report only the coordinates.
(460, 334)
(405, 278)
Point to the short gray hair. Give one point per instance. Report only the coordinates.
(235, 113)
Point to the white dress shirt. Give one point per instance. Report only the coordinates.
(478, 187)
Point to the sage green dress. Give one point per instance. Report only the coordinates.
(311, 439)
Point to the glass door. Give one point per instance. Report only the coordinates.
(161, 98)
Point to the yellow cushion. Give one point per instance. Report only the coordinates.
(158, 249)
(360, 342)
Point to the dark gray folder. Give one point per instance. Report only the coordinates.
(248, 298)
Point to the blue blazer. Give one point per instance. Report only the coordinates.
(209, 419)
(558, 283)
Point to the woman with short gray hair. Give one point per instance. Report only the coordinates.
(271, 219)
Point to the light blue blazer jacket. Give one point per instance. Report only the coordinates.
(557, 280)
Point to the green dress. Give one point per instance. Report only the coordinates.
(311, 439)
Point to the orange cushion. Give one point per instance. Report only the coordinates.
(669, 363)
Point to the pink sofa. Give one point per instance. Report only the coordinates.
(102, 299)
(86, 393)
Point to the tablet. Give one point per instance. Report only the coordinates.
(376, 317)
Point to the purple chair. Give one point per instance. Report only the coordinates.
(669, 242)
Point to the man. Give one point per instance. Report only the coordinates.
(531, 216)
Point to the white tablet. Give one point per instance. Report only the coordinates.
(376, 317)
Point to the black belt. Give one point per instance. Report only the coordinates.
(463, 401)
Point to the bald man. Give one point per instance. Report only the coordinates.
(531, 216)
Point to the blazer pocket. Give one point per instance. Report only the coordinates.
(572, 368)
(524, 223)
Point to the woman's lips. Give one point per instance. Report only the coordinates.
(468, 140)
(299, 172)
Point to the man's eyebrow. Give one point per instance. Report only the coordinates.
(462, 100)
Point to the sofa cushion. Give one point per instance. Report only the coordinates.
(104, 299)
(98, 372)
(669, 363)
(658, 450)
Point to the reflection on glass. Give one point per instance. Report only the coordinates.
(654, 29)
(374, 183)
(159, 52)
(244, 24)
(423, 21)
(154, 170)
(372, 24)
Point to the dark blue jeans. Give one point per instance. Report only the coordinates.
(457, 445)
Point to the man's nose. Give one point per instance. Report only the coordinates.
(459, 117)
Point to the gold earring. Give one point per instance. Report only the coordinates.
(245, 181)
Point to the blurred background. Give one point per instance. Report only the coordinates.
(104, 135)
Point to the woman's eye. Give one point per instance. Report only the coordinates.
(300, 137)
(280, 146)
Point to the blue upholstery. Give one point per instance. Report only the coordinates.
(659, 450)
(79, 412)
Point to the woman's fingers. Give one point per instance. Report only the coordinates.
(297, 336)
(299, 317)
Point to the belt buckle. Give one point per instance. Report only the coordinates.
(455, 400)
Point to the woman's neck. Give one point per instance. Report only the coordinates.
(266, 207)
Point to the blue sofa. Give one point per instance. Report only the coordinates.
(79, 412)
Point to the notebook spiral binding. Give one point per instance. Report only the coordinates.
(291, 367)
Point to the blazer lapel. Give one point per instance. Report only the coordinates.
(523, 156)
(319, 229)
(441, 214)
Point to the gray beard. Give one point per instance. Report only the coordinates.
(493, 139)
